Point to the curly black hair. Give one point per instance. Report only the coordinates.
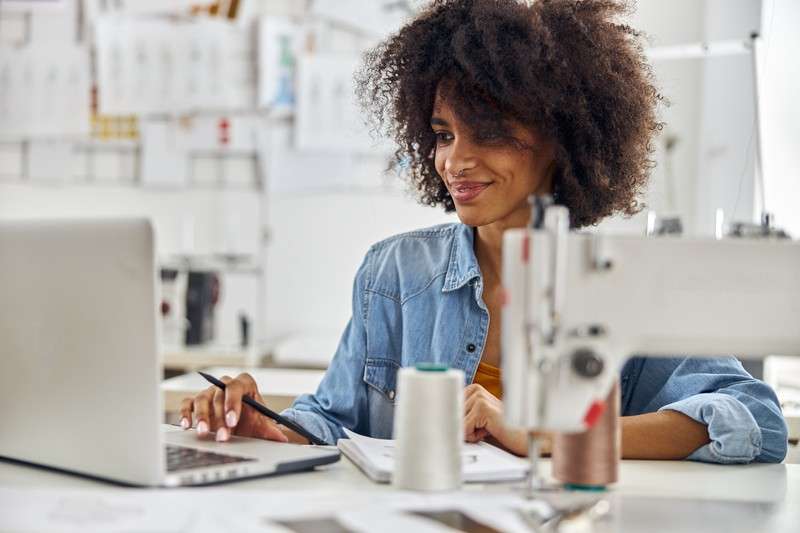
(567, 68)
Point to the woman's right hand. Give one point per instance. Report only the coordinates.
(222, 412)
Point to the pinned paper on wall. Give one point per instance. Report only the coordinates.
(328, 119)
(96, 8)
(58, 24)
(288, 170)
(278, 46)
(165, 154)
(377, 18)
(173, 148)
(29, 77)
(154, 66)
(28, 5)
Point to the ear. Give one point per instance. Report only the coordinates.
(545, 185)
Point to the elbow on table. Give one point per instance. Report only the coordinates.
(774, 440)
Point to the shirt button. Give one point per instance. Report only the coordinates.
(391, 395)
(470, 347)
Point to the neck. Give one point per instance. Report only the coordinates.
(489, 243)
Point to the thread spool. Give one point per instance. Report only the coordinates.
(590, 460)
(428, 428)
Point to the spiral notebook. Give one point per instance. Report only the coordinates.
(481, 461)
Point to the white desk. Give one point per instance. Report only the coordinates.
(651, 495)
(191, 359)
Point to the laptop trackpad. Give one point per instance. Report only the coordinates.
(263, 450)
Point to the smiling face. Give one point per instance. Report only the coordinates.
(489, 174)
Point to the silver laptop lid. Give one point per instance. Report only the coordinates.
(79, 365)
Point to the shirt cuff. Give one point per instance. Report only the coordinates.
(311, 422)
(734, 433)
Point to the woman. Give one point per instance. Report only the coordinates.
(491, 101)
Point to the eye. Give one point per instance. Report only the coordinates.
(493, 137)
(443, 137)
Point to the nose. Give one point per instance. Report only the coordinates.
(460, 157)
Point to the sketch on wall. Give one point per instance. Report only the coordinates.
(30, 77)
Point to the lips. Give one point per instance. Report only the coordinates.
(465, 191)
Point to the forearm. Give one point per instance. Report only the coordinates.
(661, 435)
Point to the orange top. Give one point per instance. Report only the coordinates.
(488, 377)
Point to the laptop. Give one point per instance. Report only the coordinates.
(80, 367)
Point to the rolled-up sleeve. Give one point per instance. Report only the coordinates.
(341, 398)
(743, 416)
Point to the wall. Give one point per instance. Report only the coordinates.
(780, 111)
(317, 244)
(727, 145)
(317, 240)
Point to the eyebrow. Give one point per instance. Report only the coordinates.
(436, 121)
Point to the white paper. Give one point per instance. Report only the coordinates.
(96, 8)
(206, 149)
(165, 155)
(376, 18)
(58, 24)
(44, 91)
(328, 120)
(480, 461)
(278, 44)
(46, 6)
(90, 511)
(212, 509)
(289, 170)
(158, 66)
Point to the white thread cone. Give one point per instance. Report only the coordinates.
(428, 428)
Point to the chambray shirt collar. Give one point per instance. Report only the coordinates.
(463, 265)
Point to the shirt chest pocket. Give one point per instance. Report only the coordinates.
(381, 377)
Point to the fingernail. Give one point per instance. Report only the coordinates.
(202, 427)
(230, 419)
(185, 423)
(222, 434)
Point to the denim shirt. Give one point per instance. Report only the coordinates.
(417, 298)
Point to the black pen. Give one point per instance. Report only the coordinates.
(269, 413)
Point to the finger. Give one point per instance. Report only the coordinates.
(480, 400)
(471, 389)
(187, 405)
(249, 387)
(271, 431)
(218, 421)
(474, 421)
(471, 402)
(470, 422)
(202, 410)
(233, 403)
(481, 434)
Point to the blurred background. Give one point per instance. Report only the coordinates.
(232, 125)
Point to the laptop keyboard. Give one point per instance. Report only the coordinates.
(182, 458)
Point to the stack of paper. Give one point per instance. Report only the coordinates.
(481, 462)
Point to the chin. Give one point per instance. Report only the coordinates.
(472, 216)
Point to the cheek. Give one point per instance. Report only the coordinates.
(439, 158)
(527, 174)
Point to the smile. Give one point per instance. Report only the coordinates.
(467, 190)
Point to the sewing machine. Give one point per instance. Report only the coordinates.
(578, 305)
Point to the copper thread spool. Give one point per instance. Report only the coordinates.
(590, 460)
